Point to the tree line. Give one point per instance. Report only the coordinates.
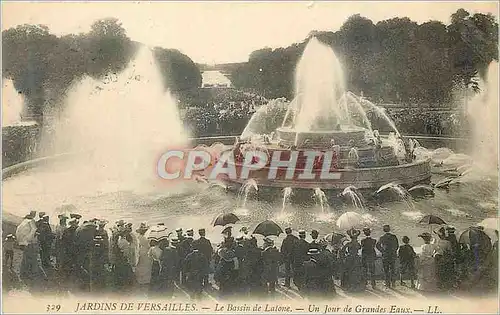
(44, 66)
(395, 60)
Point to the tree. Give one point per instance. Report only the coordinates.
(180, 73)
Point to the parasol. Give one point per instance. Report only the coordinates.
(351, 220)
(268, 228)
(225, 219)
(157, 233)
(431, 219)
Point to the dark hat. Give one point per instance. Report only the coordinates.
(143, 227)
(30, 215)
(72, 221)
(45, 218)
(367, 230)
(441, 231)
(288, 230)
(268, 241)
(41, 214)
(178, 230)
(190, 232)
(353, 233)
(314, 232)
(120, 223)
(425, 235)
(244, 229)
(202, 230)
(62, 216)
(313, 251)
(405, 239)
(386, 228)
(75, 216)
(450, 228)
(302, 232)
(227, 229)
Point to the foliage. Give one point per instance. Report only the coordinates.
(395, 60)
(44, 66)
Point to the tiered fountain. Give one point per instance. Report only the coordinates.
(324, 117)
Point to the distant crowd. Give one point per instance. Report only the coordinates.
(84, 257)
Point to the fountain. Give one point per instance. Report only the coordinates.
(321, 200)
(325, 118)
(351, 193)
(243, 196)
(287, 193)
(12, 104)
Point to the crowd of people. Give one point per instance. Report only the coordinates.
(84, 257)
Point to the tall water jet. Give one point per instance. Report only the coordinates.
(321, 200)
(12, 104)
(121, 125)
(319, 84)
(352, 193)
(483, 111)
(287, 193)
(245, 190)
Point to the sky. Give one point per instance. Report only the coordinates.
(220, 32)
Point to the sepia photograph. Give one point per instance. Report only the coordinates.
(248, 157)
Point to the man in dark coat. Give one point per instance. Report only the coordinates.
(185, 247)
(271, 258)
(45, 239)
(299, 256)
(313, 275)
(388, 245)
(195, 269)
(204, 246)
(169, 271)
(368, 256)
(251, 269)
(69, 260)
(287, 248)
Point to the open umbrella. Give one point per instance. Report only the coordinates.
(268, 228)
(157, 233)
(225, 219)
(334, 238)
(430, 220)
(475, 235)
(351, 220)
(489, 223)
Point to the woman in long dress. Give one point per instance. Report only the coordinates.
(352, 263)
(426, 271)
(144, 265)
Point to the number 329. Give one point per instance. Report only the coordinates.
(53, 307)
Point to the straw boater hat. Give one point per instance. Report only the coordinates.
(313, 251)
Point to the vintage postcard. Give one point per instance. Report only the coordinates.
(250, 157)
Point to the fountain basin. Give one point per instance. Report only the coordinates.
(362, 178)
(343, 137)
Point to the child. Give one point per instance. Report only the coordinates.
(407, 256)
(8, 247)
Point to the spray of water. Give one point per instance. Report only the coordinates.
(120, 126)
(483, 111)
(287, 193)
(12, 104)
(400, 191)
(352, 193)
(319, 84)
(321, 200)
(245, 190)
